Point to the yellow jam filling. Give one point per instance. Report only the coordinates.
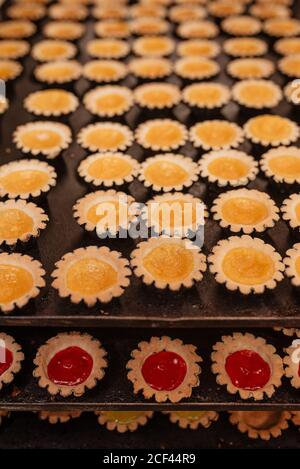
(90, 276)
(110, 208)
(256, 94)
(115, 29)
(192, 415)
(102, 70)
(200, 68)
(205, 95)
(292, 65)
(54, 71)
(50, 100)
(216, 134)
(14, 223)
(6, 71)
(176, 213)
(270, 128)
(248, 266)
(105, 138)
(165, 173)
(163, 134)
(15, 282)
(285, 165)
(150, 69)
(24, 181)
(226, 167)
(9, 49)
(244, 211)
(154, 45)
(109, 48)
(196, 49)
(53, 51)
(291, 46)
(110, 102)
(158, 97)
(169, 262)
(110, 167)
(243, 47)
(122, 417)
(248, 70)
(41, 139)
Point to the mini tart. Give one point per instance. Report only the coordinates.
(70, 363)
(206, 95)
(245, 47)
(224, 8)
(112, 29)
(282, 164)
(28, 11)
(19, 221)
(193, 419)
(261, 424)
(153, 46)
(291, 209)
(244, 69)
(109, 169)
(157, 95)
(216, 135)
(292, 262)
(287, 46)
(43, 138)
(290, 65)
(60, 71)
(282, 27)
(198, 47)
(292, 357)
(53, 49)
(21, 278)
(175, 214)
(228, 167)
(168, 263)
(112, 12)
(267, 11)
(11, 358)
(168, 172)
(26, 178)
(13, 49)
(147, 9)
(165, 369)
(161, 134)
(270, 129)
(183, 13)
(123, 420)
(108, 101)
(105, 71)
(17, 29)
(67, 12)
(257, 94)
(150, 68)
(247, 365)
(241, 26)
(196, 68)
(246, 264)
(91, 274)
(289, 332)
(65, 30)
(245, 210)
(105, 136)
(58, 416)
(9, 69)
(148, 25)
(124, 211)
(200, 29)
(51, 102)
(107, 48)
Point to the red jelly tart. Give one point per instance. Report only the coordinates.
(69, 363)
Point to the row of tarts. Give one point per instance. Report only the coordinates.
(163, 368)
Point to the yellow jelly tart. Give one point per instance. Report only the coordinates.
(153, 46)
(196, 68)
(26, 11)
(292, 263)
(216, 135)
(108, 169)
(224, 8)
(26, 178)
(290, 65)
(46, 138)
(245, 210)
(198, 47)
(245, 47)
(112, 28)
(246, 264)
(257, 93)
(17, 29)
(123, 420)
(157, 95)
(9, 69)
(263, 424)
(267, 11)
(161, 134)
(59, 71)
(241, 25)
(250, 68)
(91, 274)
(22, 279)
(53, 49)
(67, 12)
(105, 136)
(282, 164)
(270, 129)
(13, 49)
(182, 13)
(207, 95)
(291, 210)
(108, 101)
(65, 30)
(149, 26)
(150, 68)
(198, 29)
(287, 46)
(282, 27)
(104, 70)
(107, 48)
(193, 419)
(51, 102)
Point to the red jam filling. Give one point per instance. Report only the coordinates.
(247, 370)
(299, 370)
(6, 359)
(70, 366)
(164, 371)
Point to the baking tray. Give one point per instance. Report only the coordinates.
(115, 390)
(205, 305)
(159, 433)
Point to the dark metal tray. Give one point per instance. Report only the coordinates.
(159, 433)
(205, 305)
(115, 390)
